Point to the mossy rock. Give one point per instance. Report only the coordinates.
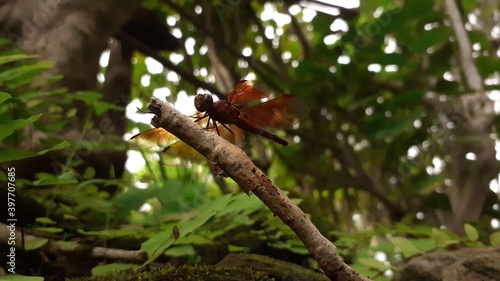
(234, 267)
(184, 273)
(278, 269)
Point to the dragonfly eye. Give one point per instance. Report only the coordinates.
(203, 102)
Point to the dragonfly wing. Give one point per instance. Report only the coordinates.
(181, 153)
(234, 136)
(281, 113)
(152, 139)
(244, 92)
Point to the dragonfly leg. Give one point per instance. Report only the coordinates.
(227, 128)
(200, 118)
(208, 123)
(216, 128)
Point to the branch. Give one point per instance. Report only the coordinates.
(298, 31)
(241, 169)
(264, 70)
(56, 246)
(148, 51)
(275, 52)
(472, 76)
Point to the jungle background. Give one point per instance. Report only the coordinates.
(397, 156)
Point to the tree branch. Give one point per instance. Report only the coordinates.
(56, 246)
(241, 169)
(472, 76)
(264, 70)
(275, 53)
(148, 51)
(298, 31)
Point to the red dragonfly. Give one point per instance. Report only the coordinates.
(231, 115)
(280, 113)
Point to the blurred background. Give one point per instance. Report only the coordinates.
(397, 156)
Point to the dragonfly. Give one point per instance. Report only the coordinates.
(282, 112)
(228, 118)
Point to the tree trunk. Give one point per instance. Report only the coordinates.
(72, 34)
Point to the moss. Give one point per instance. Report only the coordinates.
(184, 273)
(274, 268)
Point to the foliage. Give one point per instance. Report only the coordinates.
(378, 253)
(369, 163)
(32, 121)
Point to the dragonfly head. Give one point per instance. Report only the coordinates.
(203, 102)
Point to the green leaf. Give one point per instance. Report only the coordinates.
(89, 173)
(20, 75)
(219, 203)
(413, 230)
(406, 246)
(58, 146)
(237, 249)
(65, 178)
(36, 243)
(71, 112)
(16, 154)
(16, 57)
(440, 237)
(424, 244)
(101, 107)
(469, 5)
(103, 269)
(50, 229)
(40, 94)
(471, 232)
(373, 263)
(70, 245)
(4, 96)
(195, 239)
(45, 220)
(17, 277)
(487, 65)
(242, 203)
(180, 251)
(70, 217)
(495, 238)
(434, 38)
(88, 97)
(10, 127)
(188, 226)
(157, 244)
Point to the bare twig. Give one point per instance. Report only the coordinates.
(143, 48)
(298, 31)
(275, 53)
(262, 69)
(242, 170)
(56, 246)
(472, 76)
